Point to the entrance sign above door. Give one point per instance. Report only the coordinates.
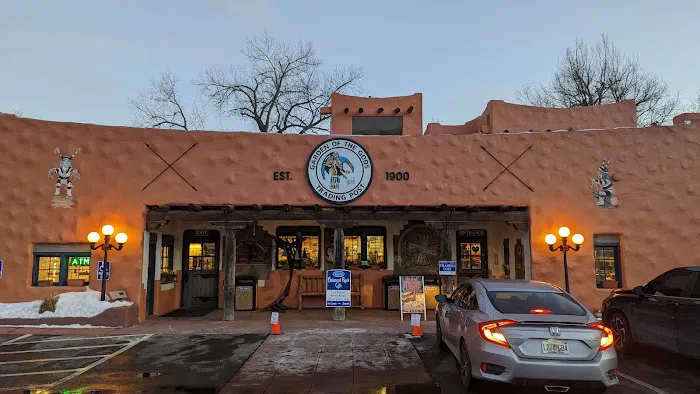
(338, 288)
(339, 170)
(447, 267)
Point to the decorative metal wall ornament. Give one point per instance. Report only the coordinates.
(507, 168)
(65, 173)
(603, 189)
(170, 166)
(419, 249)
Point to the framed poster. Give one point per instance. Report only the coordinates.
(412, 290)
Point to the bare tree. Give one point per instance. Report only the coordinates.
(281, 90)
(695, 102)
(602, 75)
(161, 107)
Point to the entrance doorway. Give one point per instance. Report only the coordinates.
(200, 267)
(472, 254)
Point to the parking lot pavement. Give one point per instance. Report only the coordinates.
(647, 371)
(123, 363)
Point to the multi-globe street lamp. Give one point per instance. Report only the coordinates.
(564, 233)
(94, 238)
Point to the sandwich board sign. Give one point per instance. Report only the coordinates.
(338, 288)
(100, 266)
(447, 267)
(412, 291)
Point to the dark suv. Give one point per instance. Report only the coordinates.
(664, 313)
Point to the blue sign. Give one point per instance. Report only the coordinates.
(338, 288)
(447, 267)
(0, 269)
(99, 269)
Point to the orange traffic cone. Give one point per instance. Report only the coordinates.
(275, 321)
(417, 331)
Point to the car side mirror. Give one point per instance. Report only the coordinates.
(638, 290)
(442, 298)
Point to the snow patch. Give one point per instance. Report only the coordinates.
(75, 304)
(56, 326)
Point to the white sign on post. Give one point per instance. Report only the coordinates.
(447, 267)
(275, 318)
(415, 320)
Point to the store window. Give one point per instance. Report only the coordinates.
(606, 254)
(166, 253)
(61, 265)
(365, 246)
(310, 247)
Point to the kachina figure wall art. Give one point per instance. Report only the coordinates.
(65, 174)
(603, 189)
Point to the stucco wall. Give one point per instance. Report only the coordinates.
(655, 171)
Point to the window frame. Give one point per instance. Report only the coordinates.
(167, 242)
(63, 266)
(607, 241)
(368, 231)
(306, 231)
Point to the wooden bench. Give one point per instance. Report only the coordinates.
(315, 286)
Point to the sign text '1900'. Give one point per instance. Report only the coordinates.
(397, 176)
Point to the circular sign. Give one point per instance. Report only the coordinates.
(339, 170)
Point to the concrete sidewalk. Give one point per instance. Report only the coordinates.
(375, 321)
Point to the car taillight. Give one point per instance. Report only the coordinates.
(607, 339)
(491, 332)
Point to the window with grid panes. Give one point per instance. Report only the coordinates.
(366, 243)
(56, 264)
(606, 255)
(310, 246)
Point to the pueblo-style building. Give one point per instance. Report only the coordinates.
(483, 194)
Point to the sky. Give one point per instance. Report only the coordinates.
(81, 60)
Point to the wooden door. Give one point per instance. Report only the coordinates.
(200, 263)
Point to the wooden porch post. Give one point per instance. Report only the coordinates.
(338, 237)
(230, 228)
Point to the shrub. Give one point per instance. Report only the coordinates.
(49, 304)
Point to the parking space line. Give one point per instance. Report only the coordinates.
(100, 361)
(76, 338)
(643, 384)
(39, 360)
(13, 340)
(62, 348)
(7, 375)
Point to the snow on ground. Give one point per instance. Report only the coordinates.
(55, 326)
(75, 304)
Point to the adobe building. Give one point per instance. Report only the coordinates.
(483, 194)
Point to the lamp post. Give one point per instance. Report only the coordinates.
(564, 233)
(94, 237)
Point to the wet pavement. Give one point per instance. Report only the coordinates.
(646, 371)
(349, 360)
(327, 358)
(135, 363)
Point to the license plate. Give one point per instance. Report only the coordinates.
(553, 346)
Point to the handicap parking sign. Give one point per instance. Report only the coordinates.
(0, 269)
(100, 265)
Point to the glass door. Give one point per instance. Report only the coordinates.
(472, 254)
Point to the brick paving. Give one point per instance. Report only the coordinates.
(330, 360)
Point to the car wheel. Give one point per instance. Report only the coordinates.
(465, 367)
(438, 332)
(623, 332)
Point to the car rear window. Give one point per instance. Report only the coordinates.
(530, 302)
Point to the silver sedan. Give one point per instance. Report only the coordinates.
(525, 333)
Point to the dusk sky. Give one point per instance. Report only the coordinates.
(81, 61)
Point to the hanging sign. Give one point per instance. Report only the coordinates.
(447, 267)
(412, 295)
(100, 267)
(338, 288)
(339, 170)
